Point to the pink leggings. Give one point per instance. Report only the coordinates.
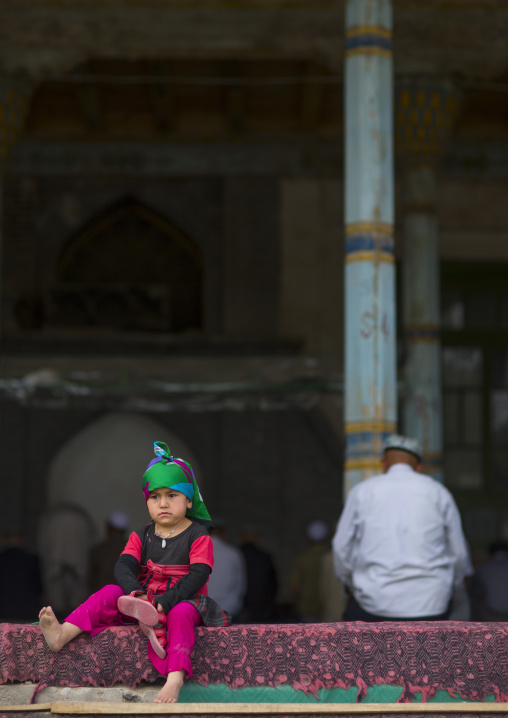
(100, 611)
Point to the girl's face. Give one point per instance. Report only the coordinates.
(167, 507)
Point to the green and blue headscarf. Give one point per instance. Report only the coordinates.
(166, 472)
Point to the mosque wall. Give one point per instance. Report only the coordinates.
(271, 244)
(271, 248)
(472, 214)
(473, 218)
(251, 257)
(272, 252)
(270, 237)
(234, 224)
(61, 206)
(312, 266)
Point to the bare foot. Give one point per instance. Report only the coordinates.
(57, 635)
(171, 690)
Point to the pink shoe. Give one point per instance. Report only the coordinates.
(148, 631)
(137, 608)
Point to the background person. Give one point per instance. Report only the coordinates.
(305, 576)
(259, 600)
(489, 585)
(228, 583)
(20, 580)
(66, 533)
(104, 555)
(399, 545)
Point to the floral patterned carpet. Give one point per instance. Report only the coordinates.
(469, 660)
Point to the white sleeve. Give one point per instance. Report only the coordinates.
(343, 541)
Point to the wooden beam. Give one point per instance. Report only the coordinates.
(162, 98)
(235, 98)
(311, 98)
(88, 708)
(88, 97)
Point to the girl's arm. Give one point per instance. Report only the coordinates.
(126, 574)
(185, 588)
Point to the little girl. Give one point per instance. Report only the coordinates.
(162, 575)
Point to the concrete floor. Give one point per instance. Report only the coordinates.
(20, 694)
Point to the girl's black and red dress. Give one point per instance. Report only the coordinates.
(173, 573)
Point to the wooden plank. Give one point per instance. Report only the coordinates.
(105, 708)
(27, 707)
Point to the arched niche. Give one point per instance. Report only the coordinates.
(100, 469)
(128, 269)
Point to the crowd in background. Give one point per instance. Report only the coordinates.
(244, 579)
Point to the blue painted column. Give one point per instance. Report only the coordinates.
(426, 109)
(370, 331)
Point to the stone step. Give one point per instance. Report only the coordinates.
(21, 693)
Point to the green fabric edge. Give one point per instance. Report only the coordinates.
(221, 693)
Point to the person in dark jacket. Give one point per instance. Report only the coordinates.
(21, 568)
(259, 601)
(489, 585)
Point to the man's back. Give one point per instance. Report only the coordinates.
(399, 544)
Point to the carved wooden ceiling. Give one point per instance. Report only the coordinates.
(213, 68)
(187, 98)
(181, 99)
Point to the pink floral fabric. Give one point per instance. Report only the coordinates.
(469, 660)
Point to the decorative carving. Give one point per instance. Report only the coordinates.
(121, 306)
(127, 270)
(426, 110)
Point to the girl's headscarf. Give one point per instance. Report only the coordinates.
(166, 472)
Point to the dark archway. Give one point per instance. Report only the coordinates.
(128, 269)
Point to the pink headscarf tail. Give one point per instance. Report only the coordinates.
(146, 491)
(189, 473)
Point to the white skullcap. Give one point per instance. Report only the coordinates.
(317, 530)
(119, 520)
(404, 443)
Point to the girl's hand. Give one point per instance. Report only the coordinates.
(159, 608)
